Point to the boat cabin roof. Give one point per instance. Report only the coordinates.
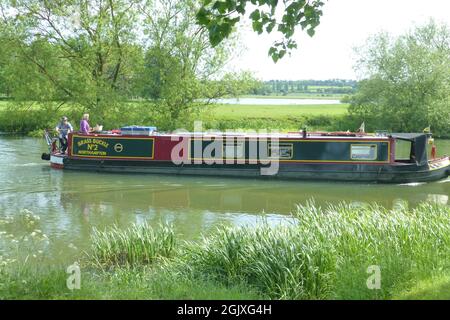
(291, 135)
(408, 136)
(413, 137)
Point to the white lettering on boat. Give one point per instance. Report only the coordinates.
(93, 142)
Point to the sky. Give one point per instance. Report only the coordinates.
(345, 24)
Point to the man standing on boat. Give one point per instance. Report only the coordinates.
(63, 129)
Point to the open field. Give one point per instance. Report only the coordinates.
(247, 110)
(279, 117)
(276, 112)
(33, 117)
(319, 96)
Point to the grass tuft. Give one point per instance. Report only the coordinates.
(327, 252)
(138, 245)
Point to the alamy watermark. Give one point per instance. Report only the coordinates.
(229, 147)
(374, 280)
(74, 279)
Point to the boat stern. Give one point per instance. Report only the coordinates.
(57, 161)
(441, 165)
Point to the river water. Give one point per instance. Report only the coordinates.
(66, 205)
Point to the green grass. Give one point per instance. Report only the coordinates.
(327, 253)
(227, 112)
(251, 111)
(312, 95)
(282, 118)
(324, 254)
(137, 245)
(437, 288)
(121, 283)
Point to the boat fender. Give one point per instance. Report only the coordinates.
(433, 152)
(45, 156)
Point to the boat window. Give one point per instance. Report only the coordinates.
(364, 152)
(233, 150)
(402, 150)
(281, 151)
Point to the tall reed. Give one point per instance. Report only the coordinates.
(327, 252)
(137, 245)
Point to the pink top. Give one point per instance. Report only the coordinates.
(84, 127)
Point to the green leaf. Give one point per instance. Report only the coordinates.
(310, 32)
(203, 17)
(275, 57)
(272, 50)
(240, 9)
(270, 26)
(257, 26)
(255, 15)
(220, 6)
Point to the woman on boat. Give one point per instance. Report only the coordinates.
(84, 124)
(63, 129)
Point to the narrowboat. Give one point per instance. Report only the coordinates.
(341, 156)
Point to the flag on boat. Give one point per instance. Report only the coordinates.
(362, 128)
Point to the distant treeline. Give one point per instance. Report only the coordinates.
(318, 87)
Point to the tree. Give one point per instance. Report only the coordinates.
(221, 16)
(98, 54)
(407, 85)
(182, 73)
(78, 51)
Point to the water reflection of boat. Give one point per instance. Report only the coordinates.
(298, 156)
(121, 193)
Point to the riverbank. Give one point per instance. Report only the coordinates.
(325, 253)
(32, 118)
